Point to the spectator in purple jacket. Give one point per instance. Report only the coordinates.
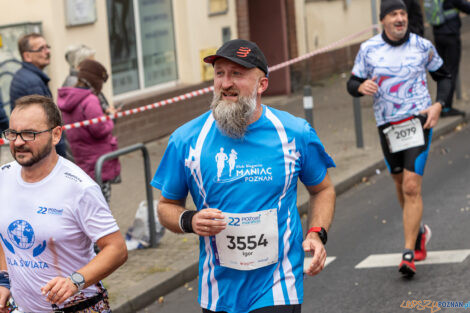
(88, 143)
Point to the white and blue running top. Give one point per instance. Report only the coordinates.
(401, 75)
(240, 176)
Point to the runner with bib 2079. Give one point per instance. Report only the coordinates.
(391, 67)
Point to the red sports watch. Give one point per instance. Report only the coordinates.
(321, 233)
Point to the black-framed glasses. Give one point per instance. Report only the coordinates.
(40, 48)
(26, 135)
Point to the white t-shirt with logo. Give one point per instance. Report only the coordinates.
(47, 228)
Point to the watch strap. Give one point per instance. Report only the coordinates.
(79, 284)
(321, 233)
(314, 230)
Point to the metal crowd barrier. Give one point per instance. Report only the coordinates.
(148, 189)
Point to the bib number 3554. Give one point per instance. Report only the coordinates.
(250, 240)
(246, 242)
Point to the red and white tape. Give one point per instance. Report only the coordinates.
(322, 50)
(104, 118)
(203, 91)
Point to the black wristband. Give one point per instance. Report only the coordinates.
(186, 219)
(4, 279)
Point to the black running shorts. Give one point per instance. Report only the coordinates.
(413, 159)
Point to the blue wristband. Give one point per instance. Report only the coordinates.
(4, 279)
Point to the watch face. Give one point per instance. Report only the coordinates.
(77, 278)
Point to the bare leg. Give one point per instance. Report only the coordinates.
(398, 179)
(409, 194)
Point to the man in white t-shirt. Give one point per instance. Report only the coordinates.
(51, 214)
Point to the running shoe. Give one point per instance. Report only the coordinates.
(407, 266)
(424, 236)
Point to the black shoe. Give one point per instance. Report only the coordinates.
(451, 112)
(407, 266)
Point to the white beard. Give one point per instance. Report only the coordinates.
(233, 117)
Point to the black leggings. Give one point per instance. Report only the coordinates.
(269, 309)
(449, 47)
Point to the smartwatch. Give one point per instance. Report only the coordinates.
(321, 233)
(78, 280)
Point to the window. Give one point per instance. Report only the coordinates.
(142, 44)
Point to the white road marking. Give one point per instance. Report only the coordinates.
(308, 260)
(434, 257)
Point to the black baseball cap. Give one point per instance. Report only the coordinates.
(243, 52)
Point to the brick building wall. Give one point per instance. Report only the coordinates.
(291, 29)
(243, 22)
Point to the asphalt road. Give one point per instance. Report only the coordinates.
(368, 222)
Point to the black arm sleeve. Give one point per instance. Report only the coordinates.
(415, 17)
(462, 5)
(353, 85)
(443, 79)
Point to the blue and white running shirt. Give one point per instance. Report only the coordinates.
(256, 173)
(401, 75)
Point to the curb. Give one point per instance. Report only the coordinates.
(149, 290)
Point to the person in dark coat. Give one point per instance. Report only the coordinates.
(415, 17)
(3, 115)
(449, 47)
(30, 78)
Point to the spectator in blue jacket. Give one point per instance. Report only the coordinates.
(3, 115)
(30, 78)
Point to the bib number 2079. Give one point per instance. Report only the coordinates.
(246, 242)
(403, 133)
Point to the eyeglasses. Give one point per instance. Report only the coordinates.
(27, 135)
(40, 48)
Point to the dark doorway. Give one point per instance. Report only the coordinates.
(268, 28)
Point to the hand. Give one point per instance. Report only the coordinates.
(4, 296)
(112, 110)
(369, 87)
(433, 112)
(58, 290)
(313, 244)
(208, 222)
